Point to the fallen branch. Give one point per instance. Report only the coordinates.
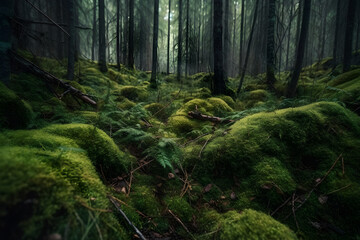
(203, 117)
(48, 77)
(127, 219)
(181, 223)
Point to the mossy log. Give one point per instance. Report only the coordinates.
(37, 71)
(200, 116)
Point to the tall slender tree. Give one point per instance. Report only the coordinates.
(118, 34)
(219, 86)
(241, 34)
(131, 35)
(300, 49)
(248, 47)
(226, 35)
(187, 39)
(102, 43)
(179, 57)
(155, 44)
(168, 40)
(349, 32)
(270, 62)
(71, 41)
(94, 31)
(5, 40)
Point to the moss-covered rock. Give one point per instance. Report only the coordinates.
(276, 153)
(14, 112)
(252, 225)
(125, 104)
(49, 183)
(179, 122)
(158, 109)
(133, 93)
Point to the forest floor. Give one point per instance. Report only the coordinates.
(266, 167)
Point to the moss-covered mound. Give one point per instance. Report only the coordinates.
(14, 112)
(49, 183)
(249, 224)
(179, 122)
(133, 93)
(272, 155)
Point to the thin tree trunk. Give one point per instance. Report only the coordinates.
(233, 45)
(5, 40)
(131, 35)
(301, 3)
(322, 52)
(350, 23)
(219, 76)
(168, 41)
(71, 42)
(226, 37)
(336, 35)
(301, 49)
(94, 32)
(155, 44)
(270, 66)
(187, 39)
(289, 37)
(248, 47)
(102, 43)
(118, 34)
(179, 42)
(241, 34)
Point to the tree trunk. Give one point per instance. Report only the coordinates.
(118, 34)
(102, 43)
(233, 45)
(248, 47)
(131, 35)
(337, 26)
(187, 39)
(350, 23)
(168, 41)
(179, 42)
(301, 49)
(94, 32)
(5, 40)
(241, 34)
(270, 63)
(289, 36)
(155, 44)
(226, 37)
(71, 40)
(219, 76)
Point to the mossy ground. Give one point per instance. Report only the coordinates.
(222, 181)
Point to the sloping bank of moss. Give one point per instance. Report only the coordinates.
(269, 156)
(49, 183)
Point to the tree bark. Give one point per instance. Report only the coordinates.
(155, 44)
(187, 39)
(291, 91)
(168, 41)
(94, 31)
(219, 76)
(241, 34)
(71, 40)
(131, 35)
(270, 63)
(102, 43)
(118, 34)
(248, 47)
(5, 40)
(226, 38)
(179, 58)
(289, 36)
(336, 35)
(349, 32)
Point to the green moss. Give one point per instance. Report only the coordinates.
(125, 104)
(14, 112)
(180, 207)
(48, 181)
(345, 77)
(228, 100)
(251, 224)
(101, 148)
(179, 122)
(133, 93)
(159, 109)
